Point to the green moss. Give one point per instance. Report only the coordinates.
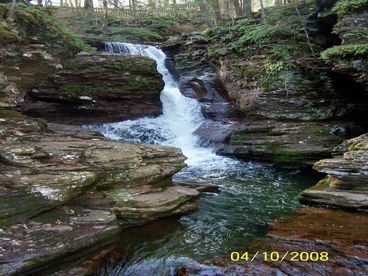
(284, 155)
(10, 113)
(33, 21)
(136, 33)
(95, 90)
(138, 82)
(345, 51)
(3, 81)
(72, 90)
(361, 34)
(6, 35)
(344, 7)
(276, 43)
(151, 29)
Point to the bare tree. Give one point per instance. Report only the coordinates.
(237, 8)
(11, 11)
(88, 4)
(247, 8)
(262, 8)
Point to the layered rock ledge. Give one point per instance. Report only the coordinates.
(346, 184)
(65, 192)
(97, 88)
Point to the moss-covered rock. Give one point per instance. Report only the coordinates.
(351, 57)
(148, 29)
(346, 51)
(32, 24)
(346, 7)
(32, 46)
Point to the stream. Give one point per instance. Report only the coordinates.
(250, 194)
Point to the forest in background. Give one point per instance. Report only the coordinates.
(213, 10)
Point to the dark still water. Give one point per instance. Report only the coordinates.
(250, 196)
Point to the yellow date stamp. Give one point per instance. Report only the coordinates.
(274, 256)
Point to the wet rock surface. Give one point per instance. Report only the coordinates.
(286, 143)
(198, 79)
(66, 192)
(83, 89)
(337, 232)
(346, 185)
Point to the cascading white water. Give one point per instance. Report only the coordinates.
(181, 115)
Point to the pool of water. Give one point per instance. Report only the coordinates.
(250, 196)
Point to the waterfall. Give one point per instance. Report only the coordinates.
(175, 127)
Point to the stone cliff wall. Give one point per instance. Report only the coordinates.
(97, 88)
(293, 107)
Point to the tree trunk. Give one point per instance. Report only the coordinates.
(262, 8)
(134, 6)
(202, 6)
(237, 8)
(216, 10)
(151, 4)
(104, 4)
(247, 8)
(88, 4)
(11, 11)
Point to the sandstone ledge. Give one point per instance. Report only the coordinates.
(65, 192)
(97, 87)
(346, 185)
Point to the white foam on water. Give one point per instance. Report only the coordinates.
(175, 127)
